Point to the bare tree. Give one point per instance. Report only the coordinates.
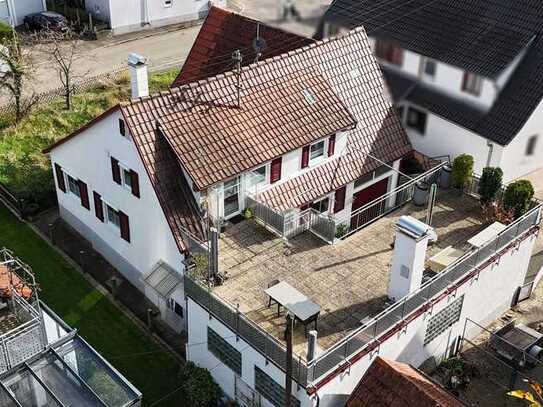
(15, 71)
(64, 49)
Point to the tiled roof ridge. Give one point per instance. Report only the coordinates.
(247, 18)
(224, 75)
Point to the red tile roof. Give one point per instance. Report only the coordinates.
(357, 80)
(173, 192)
(214, 138)
(393, 384)
(222, 33)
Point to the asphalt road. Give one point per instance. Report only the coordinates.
(166, 46)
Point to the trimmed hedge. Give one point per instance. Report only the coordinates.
(490, 184)
(518, 196)
(462, 170)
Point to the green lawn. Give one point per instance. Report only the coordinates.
(23, 167)
(154, 373)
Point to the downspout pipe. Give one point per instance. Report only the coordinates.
(490, 146)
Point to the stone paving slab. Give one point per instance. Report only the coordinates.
(349, 280)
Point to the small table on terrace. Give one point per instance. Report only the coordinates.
(303, 309)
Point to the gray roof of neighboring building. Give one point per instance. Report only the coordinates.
(481, 37)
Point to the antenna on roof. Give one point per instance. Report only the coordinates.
(238, 59)
(259, 45)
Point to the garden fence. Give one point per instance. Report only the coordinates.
(51, 95)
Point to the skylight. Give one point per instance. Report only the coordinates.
(309, 96)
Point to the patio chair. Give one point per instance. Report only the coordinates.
(271, 284)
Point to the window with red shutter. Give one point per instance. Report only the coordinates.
(305, 156)
(339, 198)
(84, 194)
(98, 208)
(276, 170)
(331, 145)
(125, 226)
(134, 183)
(60, 178)
(389, 51)
(122, 128)
(115, 170)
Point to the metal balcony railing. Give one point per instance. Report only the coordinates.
(363, 336)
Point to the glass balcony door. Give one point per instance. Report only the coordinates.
(231, 198)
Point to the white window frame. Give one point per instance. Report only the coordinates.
(473, 87)
(124, 184)
(111, 224)
(67, 177)
(532, 143)
(423, 62)
(412, 127)
(326, 198)
(252, 176)
(171, 306)
(320, 158)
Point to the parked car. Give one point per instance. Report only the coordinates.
(46, 20)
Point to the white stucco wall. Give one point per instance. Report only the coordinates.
(134, 15)
(443, 137)
(495, 288)
(515, 162)
(197, 352)
(87, 157)
(448, 78)
(14, 11)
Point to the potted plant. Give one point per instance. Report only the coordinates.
(341, 230)
(248, 213)
(518, 196)
(462, 170)
(490, 184)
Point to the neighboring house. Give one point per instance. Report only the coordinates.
(466, 77)
(13, 12)
(223, 33)
(125, 16)
(393, 384)
(43, 361)
(310, 142)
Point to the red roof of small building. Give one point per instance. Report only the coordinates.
(389, 383)
(224, 32)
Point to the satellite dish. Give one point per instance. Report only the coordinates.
(259, 45)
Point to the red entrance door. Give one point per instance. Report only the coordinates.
(364, 197)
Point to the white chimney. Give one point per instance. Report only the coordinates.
(138, 75)
(412, 237)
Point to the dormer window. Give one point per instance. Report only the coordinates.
(472, 83)
(388, 51)
(316, 151)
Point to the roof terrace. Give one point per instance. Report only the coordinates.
(348, 280)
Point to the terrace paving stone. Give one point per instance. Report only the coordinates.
(349, 279)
